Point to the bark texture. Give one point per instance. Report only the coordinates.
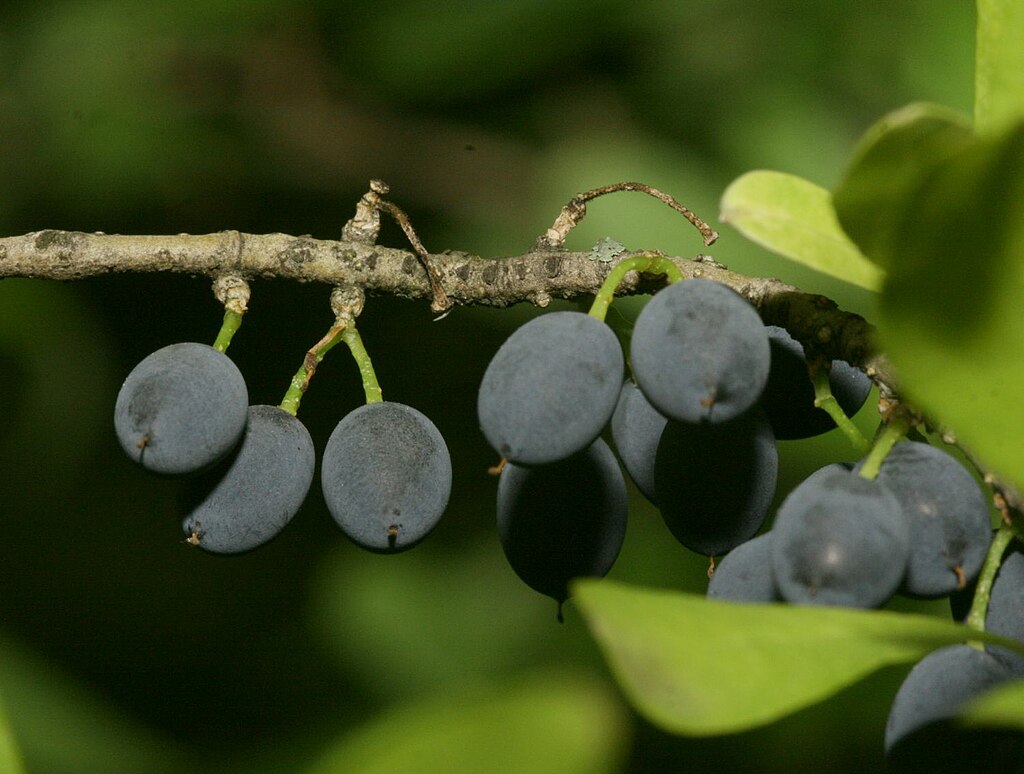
(534, 277)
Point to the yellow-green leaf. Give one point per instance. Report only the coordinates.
(697, 666)
(999, 65)
(999, 708)
(795, 218)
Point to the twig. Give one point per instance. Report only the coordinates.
(365, 224)
(573, 212)
(440, 303)
(365, 227)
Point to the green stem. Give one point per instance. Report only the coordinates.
(825, 400)
(890, 434)
(300, 382)
(232, 322)
(982, 592)
(355, 343)
(645, 264)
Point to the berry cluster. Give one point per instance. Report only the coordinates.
(921, 528)
(386, 473)
(712, 389)
(696, 430)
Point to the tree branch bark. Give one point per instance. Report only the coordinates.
(534, 277)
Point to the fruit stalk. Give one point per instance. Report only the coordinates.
(354, 342)
(316, 353)
(825, 400)
(982, 592)
(644, 264)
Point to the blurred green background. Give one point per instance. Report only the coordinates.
(124, 649)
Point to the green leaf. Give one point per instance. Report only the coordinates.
(999, 708)
(951, 310)
(548, 724)
(697, 666)
(795, 218)
(999, 65)
(887, 165)
(10, 756)
(61, 725)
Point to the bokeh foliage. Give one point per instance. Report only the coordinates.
(123, 649)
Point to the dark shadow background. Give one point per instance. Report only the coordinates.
(123, 649)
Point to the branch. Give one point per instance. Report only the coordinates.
(449, 278)
(534, 277)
